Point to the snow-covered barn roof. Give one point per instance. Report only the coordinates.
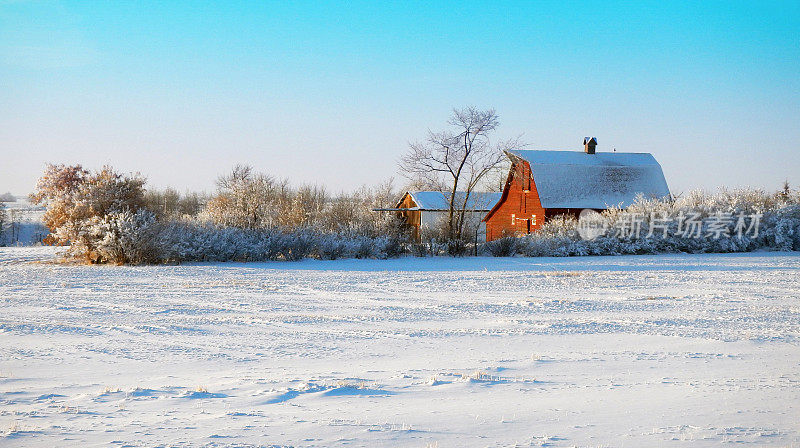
(438, 201)
(572, 179)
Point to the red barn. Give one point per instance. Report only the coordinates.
(544, 184)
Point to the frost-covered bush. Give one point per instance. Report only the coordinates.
(296, 245)
(181, 242)
(331, 246)
(502, 247)
(138, 238)
(556, 237)
(79, 201)
(722, 224)
(456, 247)
(392, 245)
(127, 238)
(782, 228)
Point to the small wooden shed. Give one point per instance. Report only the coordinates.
(420, 209)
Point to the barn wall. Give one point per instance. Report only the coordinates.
(520, 200)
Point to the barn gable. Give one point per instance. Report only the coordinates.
(577, 180)
(545, 184)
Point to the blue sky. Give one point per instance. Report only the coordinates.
(333, 92)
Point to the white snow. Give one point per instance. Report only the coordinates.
(572, 179)
(639, 351)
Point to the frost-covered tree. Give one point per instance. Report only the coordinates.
(169, 204)
(192, 204)
(78, 200)
(57, 189)
(249, 200)
(305, 208)
(352, 212)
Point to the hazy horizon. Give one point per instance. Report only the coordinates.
(327, 94)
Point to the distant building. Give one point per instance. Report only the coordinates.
(544, 184)
(420, 209)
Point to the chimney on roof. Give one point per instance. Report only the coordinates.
(588, 144)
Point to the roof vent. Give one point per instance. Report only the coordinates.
(588, 144)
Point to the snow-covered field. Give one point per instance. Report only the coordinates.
(637, 351)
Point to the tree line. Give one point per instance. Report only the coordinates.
(105, 216)
(89, 210)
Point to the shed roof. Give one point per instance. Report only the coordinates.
(572, 179)
(439, 201)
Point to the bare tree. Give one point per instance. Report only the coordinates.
(458, 159)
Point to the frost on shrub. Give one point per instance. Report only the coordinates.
(556, 237)
(723, 222)
(332, 248)
(137, 238)
(392, 245)
(502, 247)
(78, 201)
(296, 245)
(128, 238)
(783, 228)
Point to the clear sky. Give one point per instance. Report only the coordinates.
(333, 92)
